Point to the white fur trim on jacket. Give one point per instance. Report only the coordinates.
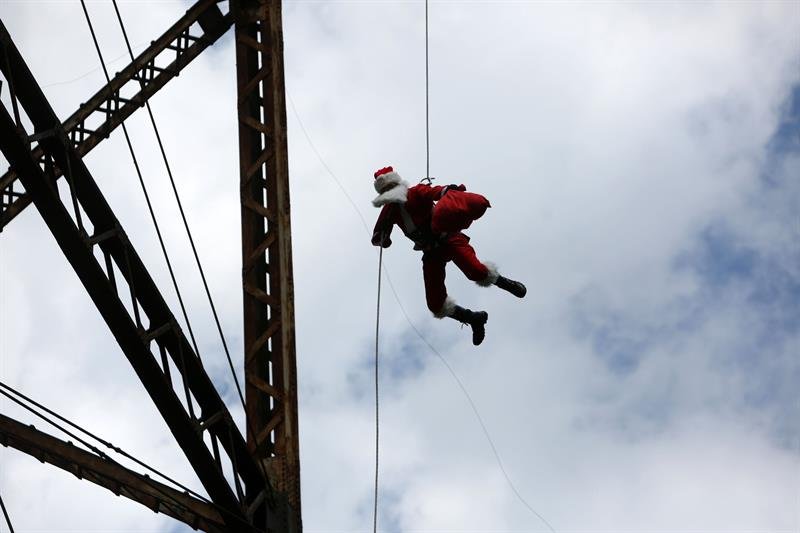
(491, 277)
(396, 195)
(447, 308)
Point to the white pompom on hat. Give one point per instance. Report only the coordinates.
(385, 177)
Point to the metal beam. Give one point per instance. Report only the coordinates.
(269, 341)
(94, 121)
(141, 319)
(111, 475)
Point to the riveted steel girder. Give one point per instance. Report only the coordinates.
(269, 335)
(111, 475)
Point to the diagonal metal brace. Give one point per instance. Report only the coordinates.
(108, 108)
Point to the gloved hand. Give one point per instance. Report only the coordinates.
(461, 187)
(382, 240)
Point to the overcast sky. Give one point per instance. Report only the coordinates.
(643, 165)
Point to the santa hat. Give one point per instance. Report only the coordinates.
(386, 176)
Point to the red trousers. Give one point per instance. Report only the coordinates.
(458, 250)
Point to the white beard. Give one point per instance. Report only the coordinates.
(396, 195)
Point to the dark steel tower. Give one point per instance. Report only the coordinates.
(253, 483)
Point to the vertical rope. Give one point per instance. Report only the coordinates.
(427, 103)
(380, 267)
(377, 403)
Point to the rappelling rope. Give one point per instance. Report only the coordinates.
(377, 403)
(380, 267)
(427, 103)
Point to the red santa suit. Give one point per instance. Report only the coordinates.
(412, 210)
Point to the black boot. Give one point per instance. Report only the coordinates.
(514, 287)
(476, 319)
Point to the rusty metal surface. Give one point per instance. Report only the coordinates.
(179, 45)
(144, 327)
(269, 342)
(111, 475)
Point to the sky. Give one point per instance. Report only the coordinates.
(643, 165)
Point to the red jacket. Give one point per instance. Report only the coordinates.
(412, 215)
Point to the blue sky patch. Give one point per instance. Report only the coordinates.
(616, 339)
(719, 259)
(396, 366)
(787, 136)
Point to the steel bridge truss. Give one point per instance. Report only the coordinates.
(253, 484)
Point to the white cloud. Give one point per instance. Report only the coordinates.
(644, 384)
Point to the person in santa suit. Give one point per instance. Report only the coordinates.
(432, 216)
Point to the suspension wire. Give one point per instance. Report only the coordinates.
(248, 423)
(324, 164)
(444, 361)
(102, 441)
(427, 103)
(377, 320)
(5, 513)
(146, 195)
(472, 405)
(377, 397)
(61, 428)
(100, 453)
(183, 217)
(92, 71)
(160, 238)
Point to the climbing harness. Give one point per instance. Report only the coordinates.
(410, 228)
(423, 239)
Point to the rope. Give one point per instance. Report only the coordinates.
(427, 103)
(324, 164)
(186, 226)
(138, 46)
(105, 443)
(474, 409)
(377, 397)
(144, 190)
(88, 433)
(5, 513)
(189, 234)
